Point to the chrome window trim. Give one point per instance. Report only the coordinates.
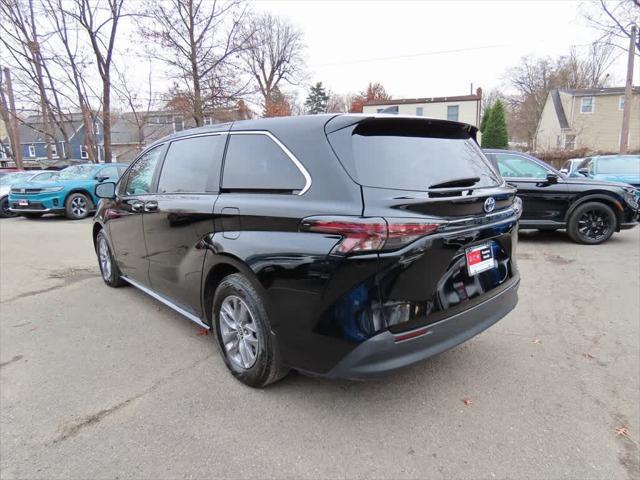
(282, 146)
(287, 152)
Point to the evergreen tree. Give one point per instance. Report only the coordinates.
(317, 100)
(485, 118)
(495, 130)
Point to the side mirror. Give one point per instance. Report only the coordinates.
(106, 190)
(101, 178)
(584, 171)
(552, 178)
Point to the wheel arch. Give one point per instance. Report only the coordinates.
(609, 200)
(78, 190)
(216, 268)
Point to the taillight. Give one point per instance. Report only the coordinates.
(369, 234)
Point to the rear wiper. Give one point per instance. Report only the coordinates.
(458, 182)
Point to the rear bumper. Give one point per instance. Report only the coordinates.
(386, 352)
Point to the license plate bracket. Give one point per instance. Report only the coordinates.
(23, 203)
(479, 259)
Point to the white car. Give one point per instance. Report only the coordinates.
(9, 179)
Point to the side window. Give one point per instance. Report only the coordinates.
(515, 166)
(111, 172)
(256, 162)
(192, 165)
(140, 177)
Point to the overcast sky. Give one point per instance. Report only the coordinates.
(350, 43)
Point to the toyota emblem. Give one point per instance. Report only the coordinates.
(489, 204)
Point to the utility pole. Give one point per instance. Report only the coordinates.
(13, 127)
(626, 114)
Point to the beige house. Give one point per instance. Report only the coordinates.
(464, 108)
(587, 118)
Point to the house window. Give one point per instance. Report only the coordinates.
(83, 152)
(621, 102)
(570, 142)
(160, 119)
(32, 150)
(96, 127)
(178, 124)
(208, 120)
(54, 150)
(419, 111)
(586, 105)
(452, 112)
(2, 154)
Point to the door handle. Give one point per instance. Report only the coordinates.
(151, 206)
(136, 206)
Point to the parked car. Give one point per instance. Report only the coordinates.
(590, 210)
(617, 168)
(7, 170)
(337, 245)
(570, 167)
(12, 178)
(71, 193)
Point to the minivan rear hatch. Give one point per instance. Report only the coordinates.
(412, 171)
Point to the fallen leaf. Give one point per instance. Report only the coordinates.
(203, 331)
(588, 355)
(536, 340)
(622, 432)
(467, 401)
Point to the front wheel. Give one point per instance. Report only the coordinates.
(77, 206)
(243, 333)
(4, 209)
(592, 223)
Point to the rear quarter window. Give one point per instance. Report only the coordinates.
(411, 154)
(254, 162)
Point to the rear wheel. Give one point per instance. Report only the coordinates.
(243, 333)
(592, 223)
(77, 206)
(4, 209)
(108, 267)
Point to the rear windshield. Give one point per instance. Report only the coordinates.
(409, 154)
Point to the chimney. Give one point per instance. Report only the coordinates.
(479, 92)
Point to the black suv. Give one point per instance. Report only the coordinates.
(590, 210)
(338, 245)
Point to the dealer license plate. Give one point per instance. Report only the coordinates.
(479, 259)
(23, 203)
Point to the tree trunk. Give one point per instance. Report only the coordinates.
(106, 117)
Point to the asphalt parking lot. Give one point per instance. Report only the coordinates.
(105, 383)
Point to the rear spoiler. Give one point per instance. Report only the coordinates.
(343, 121)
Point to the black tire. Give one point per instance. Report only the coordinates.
(77, 206)
(111, 275)
(267, 367)
(31, 215)
(4, 209)
(592, 223)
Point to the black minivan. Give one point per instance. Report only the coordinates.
(343, 246)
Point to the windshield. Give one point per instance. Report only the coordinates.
(412, 155)
(626, 165)
(77, 172)
(12, 178)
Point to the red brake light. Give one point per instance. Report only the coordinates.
(369, 234)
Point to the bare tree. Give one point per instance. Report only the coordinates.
(100, 23)
(71, 63)
(614, 18)
(7, 109)
(200, 40)
(20, 37)
(274, 54)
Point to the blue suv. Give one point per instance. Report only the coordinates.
(71, 194)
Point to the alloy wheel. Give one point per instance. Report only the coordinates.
(594, 224)
(79, 206)
(104, 258)
(239, 332)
